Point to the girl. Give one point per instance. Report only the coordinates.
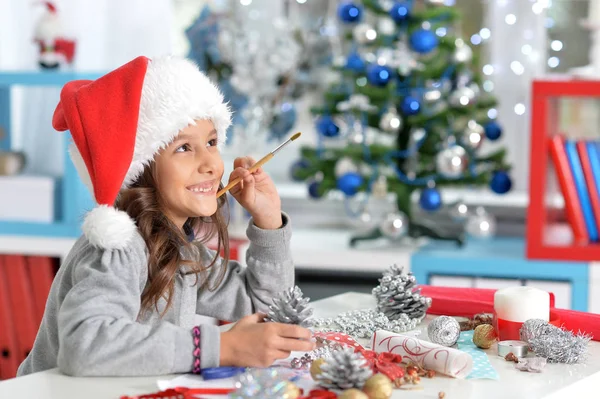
(146, 142)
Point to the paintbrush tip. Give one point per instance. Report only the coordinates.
(295, 136)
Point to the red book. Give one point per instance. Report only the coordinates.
(590, 181)
(8, 339)
(41, 273)
(21, 303)
(568, 188)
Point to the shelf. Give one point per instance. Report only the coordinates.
(43, 78)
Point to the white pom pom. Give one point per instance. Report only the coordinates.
(108, 228)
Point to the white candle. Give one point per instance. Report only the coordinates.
(520, 304)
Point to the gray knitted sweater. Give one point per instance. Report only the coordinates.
(92, 325)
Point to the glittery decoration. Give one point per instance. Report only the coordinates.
(260, 383)
(363, 323)
(396, 295)
(532, 365)
(345, 369)
(321, 352)
(554, 344)
(291, 308)
(443, 330)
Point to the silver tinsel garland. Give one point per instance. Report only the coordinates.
(363, 323)
(260, 383)
(345, 369)
(396, 295)
(553, 343)
(291, 308)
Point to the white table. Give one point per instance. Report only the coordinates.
(557, 381)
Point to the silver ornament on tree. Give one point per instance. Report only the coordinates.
(391, 121)
(444, 330)
(473, 135)
(459, 211)
(386, 26)
(290, 307)
(462, 97)
(451, 162)
(553, 343)
(344, 369)
(395, 225)
(481, 224)
(462, 53)
(364, 33)
(396, 295)
(345, 165)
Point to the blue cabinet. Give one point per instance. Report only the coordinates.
(71, 196)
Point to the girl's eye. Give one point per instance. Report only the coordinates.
(183, 148)
(212, 143)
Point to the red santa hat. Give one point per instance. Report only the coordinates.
(121, 120)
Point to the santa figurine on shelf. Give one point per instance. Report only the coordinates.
(55, 48)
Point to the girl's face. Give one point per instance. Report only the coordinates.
(188, 173)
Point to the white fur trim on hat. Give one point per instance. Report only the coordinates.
(108, 228)
(174, 94)
(81, 168)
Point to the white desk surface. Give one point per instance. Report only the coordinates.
(556, 381)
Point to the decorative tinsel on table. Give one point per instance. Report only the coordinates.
(264, 384)
(554, 344)
(400, 308)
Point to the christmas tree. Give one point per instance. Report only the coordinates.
(407, 113)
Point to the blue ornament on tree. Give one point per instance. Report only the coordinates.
(423, 41)
(355, 63)
(314, 190)
(501, 182)
(410, 105)
(379, 75)
(349, 12)
(430, 199)
(493, 130)
(284, 120)
(297, 167)
(327, 127)
(400, 12)
(349, 183)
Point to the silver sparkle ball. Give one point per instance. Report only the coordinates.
(462, 97)
(473, 135)
(452, 161)
(444, 330)
(391, 121)
(462, 54)
(394, 225)
(431, 96)
(356, 137)
(364, 33)
(459, 211)
(481, 224)
(386, 26)
(345, 165)
(386, 5)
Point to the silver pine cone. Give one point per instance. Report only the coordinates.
(344, 369)
(396, 295)
(291, 308)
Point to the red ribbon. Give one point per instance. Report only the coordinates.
(385, 363)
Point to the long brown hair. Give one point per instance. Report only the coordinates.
(165, 240)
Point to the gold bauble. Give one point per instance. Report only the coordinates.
(353, 394)
(378, 386)
(484, 336)
(291, 391)
(315, 367)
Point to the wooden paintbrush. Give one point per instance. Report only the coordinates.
(257, 165)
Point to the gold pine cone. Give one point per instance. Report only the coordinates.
(484, 336)
(378, 386)
(315, 367)
(353, 394)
